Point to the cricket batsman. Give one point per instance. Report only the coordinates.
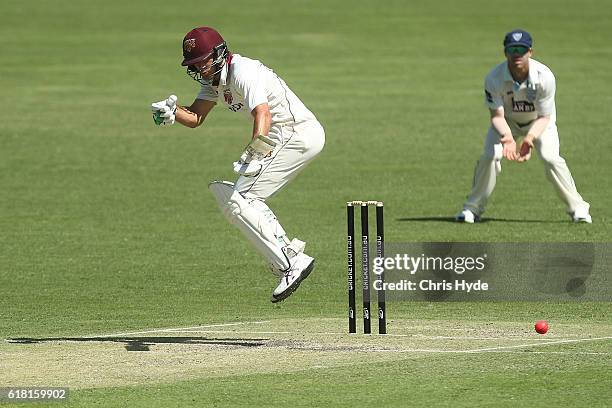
(286, 137)
(520, 95)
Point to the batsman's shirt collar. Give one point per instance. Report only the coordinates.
(223, 78)
(532, 80)
(225, 71)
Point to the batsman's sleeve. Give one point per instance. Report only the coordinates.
(545, 102)
(208, 93)
(251, 83)
(493, 98)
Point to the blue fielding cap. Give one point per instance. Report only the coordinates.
(518, 37)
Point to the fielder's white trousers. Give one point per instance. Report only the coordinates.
(547, 148)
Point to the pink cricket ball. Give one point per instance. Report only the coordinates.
(541, 326)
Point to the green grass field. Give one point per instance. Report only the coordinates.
(120, 278)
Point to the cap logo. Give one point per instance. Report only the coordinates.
(189, 44)
(517, 36)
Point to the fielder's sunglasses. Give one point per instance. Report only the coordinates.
(517, 50)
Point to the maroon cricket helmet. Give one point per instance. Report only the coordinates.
(201, 43)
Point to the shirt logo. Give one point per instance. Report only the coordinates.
(235, 107)
(517, 36)
(488, 96)
(227, 95)
(522, 106)
(531, 94)
(189, 44)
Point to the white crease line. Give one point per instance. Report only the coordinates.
(179, 329)
(239, 332)
(417, 336)
(590, 353)
(482, 350)
(291, 332)
(547, 343)
(364, 350)
(492, 349)
(422, 336)
(476, 352)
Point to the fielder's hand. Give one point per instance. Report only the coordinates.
(525, 151)
(164, 112)
(509, 147)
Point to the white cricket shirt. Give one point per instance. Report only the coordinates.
(248, 83)
(523, 102)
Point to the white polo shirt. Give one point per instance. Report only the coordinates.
(523, 102)
(248, 83)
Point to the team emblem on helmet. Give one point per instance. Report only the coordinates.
(200, 45)
(517, 36)
(189, 44)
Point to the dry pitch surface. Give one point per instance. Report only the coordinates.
(278, 346)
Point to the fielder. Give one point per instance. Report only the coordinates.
(520, 94)
(286, 137)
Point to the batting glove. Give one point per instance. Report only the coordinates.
(164, 112)
(252, 159)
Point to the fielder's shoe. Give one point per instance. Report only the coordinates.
(467, 216)
(582, 215)
(301, 267)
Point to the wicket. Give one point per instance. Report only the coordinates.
(365, 265)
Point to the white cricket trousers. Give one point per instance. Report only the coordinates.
(297, 145)
(547, 147)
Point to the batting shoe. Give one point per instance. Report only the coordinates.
(467, 216)
(301, 267)
(582, 215)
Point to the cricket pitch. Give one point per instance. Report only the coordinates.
(277, 346)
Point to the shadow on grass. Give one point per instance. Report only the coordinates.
(143, 343)
(482, 221)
